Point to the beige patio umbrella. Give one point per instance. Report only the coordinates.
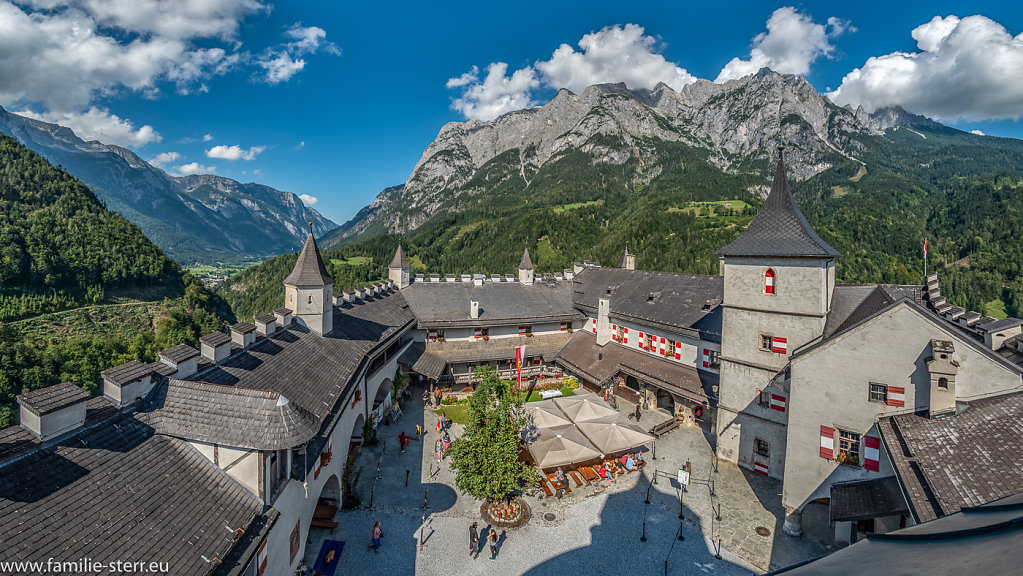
(546, 414)
(610, 436)
(560, 446)
(585, 407)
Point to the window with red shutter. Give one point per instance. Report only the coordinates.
(769, 281)
(827, 442)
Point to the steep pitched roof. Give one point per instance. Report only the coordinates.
(309, 270)
(526, 263)
(399, 261)
(441, 304)
(779, 229)
(625, 259)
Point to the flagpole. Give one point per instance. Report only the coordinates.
(925, 260)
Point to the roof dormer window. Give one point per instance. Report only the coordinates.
(769, 281)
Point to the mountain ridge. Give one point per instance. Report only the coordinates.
(198, 217)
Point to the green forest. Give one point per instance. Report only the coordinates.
(81, 288)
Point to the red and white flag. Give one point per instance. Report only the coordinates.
(925, 247)
(520, 356)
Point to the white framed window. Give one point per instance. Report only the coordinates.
(878, 393)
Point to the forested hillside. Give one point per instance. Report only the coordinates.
(60, 249)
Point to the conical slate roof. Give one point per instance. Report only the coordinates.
(779, 229)
(309, 270)
(399, 261)
(625, 259)
(526, 263)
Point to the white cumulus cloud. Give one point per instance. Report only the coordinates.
(280, 67)
(195, 168)
(282, 62)
(612, 54)
(99, 124)
(233, 153)
(164, 158)
(308, 200)
(978, 132)
(207, 137)
(791, 43)
(965, 69)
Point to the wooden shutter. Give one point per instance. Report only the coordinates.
(760, 468)
(872, 453)
(777, 402)
(477, 332)
(896, 396)
(564, 326)
(678, 350)
(769, 281)
(706, 358)
(261, 559)
(827, 442)
(522, 330)
(626, 336)
(779, 345)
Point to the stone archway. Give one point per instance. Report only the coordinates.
(382, 401)
(324, 522)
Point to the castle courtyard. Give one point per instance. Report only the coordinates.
(594, 529)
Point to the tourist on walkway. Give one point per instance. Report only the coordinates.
(438, 425)
(443, 421)
(419, 431)
(377, 535)
(492, 538)
(447, 441)
(438, 447)
(638, 412)
(402, 440)
(474, 541)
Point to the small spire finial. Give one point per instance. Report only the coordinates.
(310, 225)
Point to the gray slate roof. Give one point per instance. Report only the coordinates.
(960, 461)
(981, 540)
(265, 318)
(865, 499)
(1002, 324)
(677, 302)
(127, 372)
(313, 370)
(52, 398)
(179, 353)
(779, 228)
(598, 364)
(230, 415)
(309, 269)
(118, 491)
(399, 260)
(216, 339)
(243, 327)
(440, 304)
(525, 263)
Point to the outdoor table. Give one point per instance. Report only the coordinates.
(325, 511)
(589, 474)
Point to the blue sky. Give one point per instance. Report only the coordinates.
(335, 101)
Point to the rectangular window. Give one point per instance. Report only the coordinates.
(878, 393)
(646, 341)
(764, 399)
(714, 358)
(440, 335)
(671, 349)
(766, 342)
(529, 330)
(485, 333)
(762, 448)
(848, 447)
(621, 334)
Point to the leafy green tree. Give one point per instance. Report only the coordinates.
(486, 457)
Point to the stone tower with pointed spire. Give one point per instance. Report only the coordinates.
(779, 276)
(628, 260)
(309, 290)
(398, 269)
(526, 269)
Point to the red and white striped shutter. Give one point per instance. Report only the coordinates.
(872, 453)
(522, 330)
(778, 402)
(706, 358)
(261, 559)
(678, 350)
(896, 396)
(760, 468)
(664, 348)
(779, 345)
(614, 332)
(433, 334)
(827, 442)
(477, 332)
(769, 282)
(640, 342)
(564, 326)
(594, 325)
(626, 336)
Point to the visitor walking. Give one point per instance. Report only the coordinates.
(443, 421)
(438, 447)
(474, 540)
(638, 412)
(377, 535)
(492, 539)
(402, 440)
(419, 431)
(438, 425)
(447, 441)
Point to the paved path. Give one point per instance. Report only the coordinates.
(592, 530)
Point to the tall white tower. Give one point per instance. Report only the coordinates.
(309, 290)
(526, 269)
(398, 269)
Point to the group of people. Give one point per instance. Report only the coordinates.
(474, 541)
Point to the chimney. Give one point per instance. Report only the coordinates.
(997, 332)
(283, 317)
(577, 267)
(474, 309)
(477, 279)
(215, 347)
(243, 334)
(569, 273)
(603, 324)
(128, 382)
(182, 358)
(943, 369)
(266, 324)
(54, 410)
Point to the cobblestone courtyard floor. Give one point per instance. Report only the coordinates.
(593, 530)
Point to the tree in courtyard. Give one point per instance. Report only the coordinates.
(486, 457)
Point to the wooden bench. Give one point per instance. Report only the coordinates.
(663, 428)
(546, 488)
(590, 474)
(576, 478)
(323, 523)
